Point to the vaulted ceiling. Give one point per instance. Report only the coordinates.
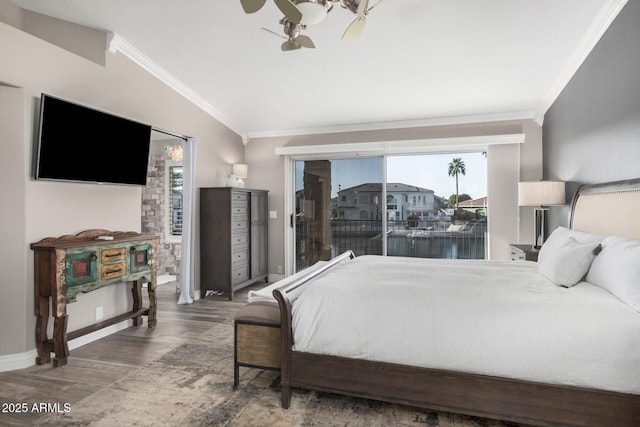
(417, 62)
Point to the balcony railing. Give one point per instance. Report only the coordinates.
(412, 238)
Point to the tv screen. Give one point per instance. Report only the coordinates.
(77, 143)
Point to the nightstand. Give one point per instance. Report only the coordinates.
(523, 252)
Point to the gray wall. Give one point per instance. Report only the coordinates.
(592, 132)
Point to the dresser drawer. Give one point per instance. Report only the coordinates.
(239, 196)
(240, 274)
(240, 256)
(239, 239)
(523, 253)
(517, 254)
(112, 271)
(240, 211)
(112, 255)
(239, 225)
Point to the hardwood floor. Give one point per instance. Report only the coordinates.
(99, 364)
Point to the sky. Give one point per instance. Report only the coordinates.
(427, 171)
(432, 171)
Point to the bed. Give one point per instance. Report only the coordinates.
(576, 362)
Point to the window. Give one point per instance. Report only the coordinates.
(427, 217)
(391, 202)
(174, 174)
(326, 182)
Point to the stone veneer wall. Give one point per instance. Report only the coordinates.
(153, 218)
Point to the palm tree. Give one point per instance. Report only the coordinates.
(457, 167)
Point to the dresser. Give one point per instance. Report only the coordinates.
(523, 252)
(233, 238)
(72, 264)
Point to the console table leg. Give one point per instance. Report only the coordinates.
(42, 320)
(60, 346)
(153, 304)
(136, 290)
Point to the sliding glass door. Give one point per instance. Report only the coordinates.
(338, 206)
(428, 206)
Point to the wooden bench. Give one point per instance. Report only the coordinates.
(257, 340)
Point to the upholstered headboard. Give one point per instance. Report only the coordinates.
(609, 209)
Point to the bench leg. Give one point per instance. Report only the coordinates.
(236, 368)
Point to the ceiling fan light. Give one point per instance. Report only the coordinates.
(312, 12)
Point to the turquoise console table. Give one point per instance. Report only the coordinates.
(67, 265)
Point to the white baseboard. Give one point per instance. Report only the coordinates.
(101, 333)
(165, 278)
(12, 362)
(275, 277)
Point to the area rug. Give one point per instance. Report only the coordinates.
(191, 385)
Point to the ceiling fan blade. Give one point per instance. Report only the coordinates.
(290, 45)
(363, 8)
(274, 33)
(305, 41)
(252, 6)
(353, 31)
(290, 11)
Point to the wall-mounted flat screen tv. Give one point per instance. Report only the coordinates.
(81, 144)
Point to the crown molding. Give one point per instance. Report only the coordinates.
(399, 124)
(413, 146)
(115, 43)
(600, 24)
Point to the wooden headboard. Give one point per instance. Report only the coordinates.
(608, 209)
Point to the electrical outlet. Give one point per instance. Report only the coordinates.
(279, 269)
(99, 313)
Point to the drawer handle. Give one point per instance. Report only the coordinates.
(113, 270)
(111, 255)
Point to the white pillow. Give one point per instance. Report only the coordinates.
(570, 262)
(617, 269)
(560, 236)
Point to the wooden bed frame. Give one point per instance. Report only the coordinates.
(479, 395)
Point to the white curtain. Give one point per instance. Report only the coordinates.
(187, 261)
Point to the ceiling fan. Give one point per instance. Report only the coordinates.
(294, 39)
(300, 13)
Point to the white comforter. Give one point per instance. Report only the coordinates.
(487, 317)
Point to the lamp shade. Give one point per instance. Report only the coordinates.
(541, 193)
(240, 170)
